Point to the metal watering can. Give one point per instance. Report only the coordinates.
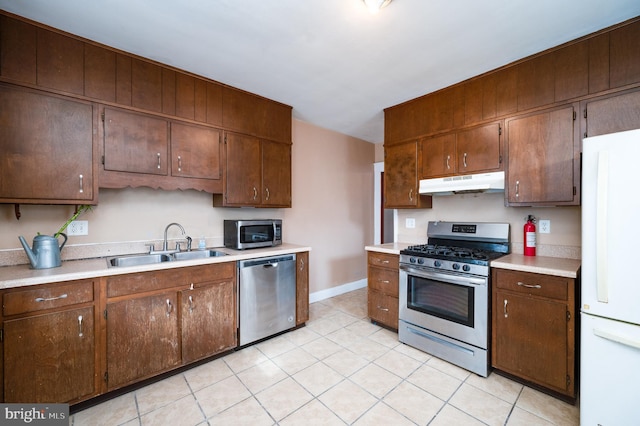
(45, 253)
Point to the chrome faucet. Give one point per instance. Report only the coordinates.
(164, 243)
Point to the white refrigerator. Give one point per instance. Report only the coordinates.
(610, 300)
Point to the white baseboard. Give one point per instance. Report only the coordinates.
(336, 291)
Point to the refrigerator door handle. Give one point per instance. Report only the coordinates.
(602, 261)
(617, 338)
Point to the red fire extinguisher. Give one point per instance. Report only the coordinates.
(530, 236)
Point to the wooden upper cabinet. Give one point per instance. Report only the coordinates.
(401, 164)
(18, 45)
(43, 136)
(571, 71)
(599, 63)
(60, 62)
(614, 113)
(472, 150)
(255, 115)
(243, 170)
(135, 143)
(438, 156)
(535, 82)
(195, 151)
(506, 81)
(99, 73)
(624, 55)
(543, 158)
(198, 99)
(146, 85)
(276, 174)
(479, 149)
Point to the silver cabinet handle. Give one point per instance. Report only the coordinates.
(79, 325)
(384, 281)
(448, 158)
(191, 304)
(267, 190)
(464, 159)
(411, 194)
(506, 314)
(179, 163)
(169, 307)
(383, 309)
(517, 188)
(521, 284)
(255, 193)
(158, 160)
(42, 299)
(301, 264)
(81, 183)
(383, 261)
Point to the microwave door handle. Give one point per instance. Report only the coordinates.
(273, 240)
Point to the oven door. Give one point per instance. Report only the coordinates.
(450, 304)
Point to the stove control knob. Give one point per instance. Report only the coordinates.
(420, 260)
(466, 268)
(412, 260)
(437, 264)
(455, 266)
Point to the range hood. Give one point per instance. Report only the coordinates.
(481, 182)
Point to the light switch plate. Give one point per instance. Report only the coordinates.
(410, 222)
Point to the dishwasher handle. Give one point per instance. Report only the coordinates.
(267, 262)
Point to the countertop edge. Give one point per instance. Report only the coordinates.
(561, 267)
(389, 248)
(71, 270)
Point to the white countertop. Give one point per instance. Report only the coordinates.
(24, 275)
(539, 264)
(390, 248)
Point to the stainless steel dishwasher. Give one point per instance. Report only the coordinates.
(267, 296)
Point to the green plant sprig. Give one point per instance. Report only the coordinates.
(81, 209)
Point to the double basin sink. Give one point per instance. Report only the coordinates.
(148, 259)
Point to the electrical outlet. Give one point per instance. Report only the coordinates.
(544, 226)
(410, 222)
(78, 227)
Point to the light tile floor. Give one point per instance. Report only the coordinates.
(339, 369)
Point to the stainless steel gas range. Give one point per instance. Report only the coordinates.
(445, 291)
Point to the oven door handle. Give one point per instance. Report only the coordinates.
(464, 280)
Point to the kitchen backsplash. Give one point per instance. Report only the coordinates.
(564, 240)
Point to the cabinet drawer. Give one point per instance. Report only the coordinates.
(47, 297)
(383, 308)
(384, 280)
(533, 284)
(384, 260)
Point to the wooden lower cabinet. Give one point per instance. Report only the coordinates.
(382, 297)
(302, 287)
(49, 343)
(534, 329)
(208, 320)
(167, 319)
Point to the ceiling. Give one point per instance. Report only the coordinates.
(338, 65)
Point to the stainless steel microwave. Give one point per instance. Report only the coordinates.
(247, 234)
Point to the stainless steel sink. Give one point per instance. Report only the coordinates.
(197, 254)
(135, 260)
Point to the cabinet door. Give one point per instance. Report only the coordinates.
(208, 320)
(613, 114)
(478, 149)
(302, 288)
(243, 170)
(142, 338)
(50, 357)
(543, 158)
(41, 137)
(18, 46)
(383, 308)
(438, 156)
(135, 143)
(195, 151)
(530, 339)
(401, 177)
(624, 55)
(276, 174)
(60, 62)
